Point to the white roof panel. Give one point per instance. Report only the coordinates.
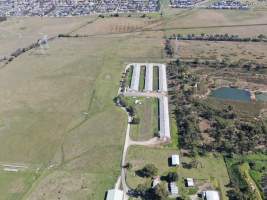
(211, 195)
(114, 195)
(175, 160)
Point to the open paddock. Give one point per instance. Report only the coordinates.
(58, 111)
(232, 51)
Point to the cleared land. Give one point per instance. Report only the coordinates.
(201, 21)
(19, 32)
(232, 51)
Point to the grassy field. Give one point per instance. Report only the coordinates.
(148, 114)
(211, 168)
(15, 185)
(19, 32)
(233, 51)
(155, 78)
(201, 21)
(244, 109)
(59, 112)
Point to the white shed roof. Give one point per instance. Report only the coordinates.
(174, 188)
(211, 195)
(135, 77)
(149, 78)
(175, 160)
(162, 78)
(164, 118)
(190, 182)
(114, 195)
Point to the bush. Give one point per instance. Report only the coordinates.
(172, 177)
(149, 170)
(160, 192)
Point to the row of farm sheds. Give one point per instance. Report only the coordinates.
(164, 132)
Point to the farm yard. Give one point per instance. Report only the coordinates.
(210, 172)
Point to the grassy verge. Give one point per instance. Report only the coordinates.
(248, 170)
(129, 76)
(174, 134)
(142, 78)
(155, 78)
(244, 170)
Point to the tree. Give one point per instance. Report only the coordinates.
(150, 170)
(160, 192)
(172, 177)
(128, 166)
(131, 110)
(141, 189)
(135, 120)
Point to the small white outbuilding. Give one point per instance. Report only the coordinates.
(189, 182)
(210, 195)
(175, 160)
(114, 194)
(174, 189)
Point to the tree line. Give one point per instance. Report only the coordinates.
(3, 18)
(218, 37)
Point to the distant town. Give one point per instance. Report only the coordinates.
(81, 8)
(75, 8)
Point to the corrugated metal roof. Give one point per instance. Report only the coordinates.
(114, 195)
(175, 160)
(211, 195)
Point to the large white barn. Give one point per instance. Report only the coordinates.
(211, 195)
(114, 194)
(164, 131)
(149, 78)
(135, 77)
(162, 78)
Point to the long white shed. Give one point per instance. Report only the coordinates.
(162, 78)
(114, 194)
(149, 78)
(164, 131)
(135, 77)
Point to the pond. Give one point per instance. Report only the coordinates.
(262, 96)
(234, 94)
